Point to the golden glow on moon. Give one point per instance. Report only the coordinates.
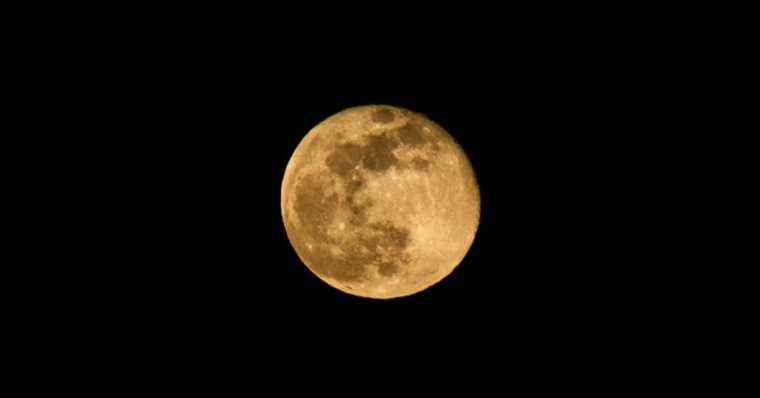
(380, 202)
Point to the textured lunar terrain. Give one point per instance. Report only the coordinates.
(380, 202)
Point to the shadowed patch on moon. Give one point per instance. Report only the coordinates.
(378, 155)
(353, 183)
(411, 134)
(382, 116)
(358, 210)
(388, 269)
(314, 206)
(420, 163)
(379, 244)
(344, 158)
(392, 237)
(325, 263)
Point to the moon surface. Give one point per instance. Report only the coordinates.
(380, 202)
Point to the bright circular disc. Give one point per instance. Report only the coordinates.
(380, 202)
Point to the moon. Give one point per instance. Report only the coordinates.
(380, 202)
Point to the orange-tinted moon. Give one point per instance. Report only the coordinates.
(380, 202)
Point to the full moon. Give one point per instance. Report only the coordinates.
(380, 202)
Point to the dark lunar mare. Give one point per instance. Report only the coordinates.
(382, 243)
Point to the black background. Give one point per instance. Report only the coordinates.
(548, 145)
(194, 128)
(162, 136)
